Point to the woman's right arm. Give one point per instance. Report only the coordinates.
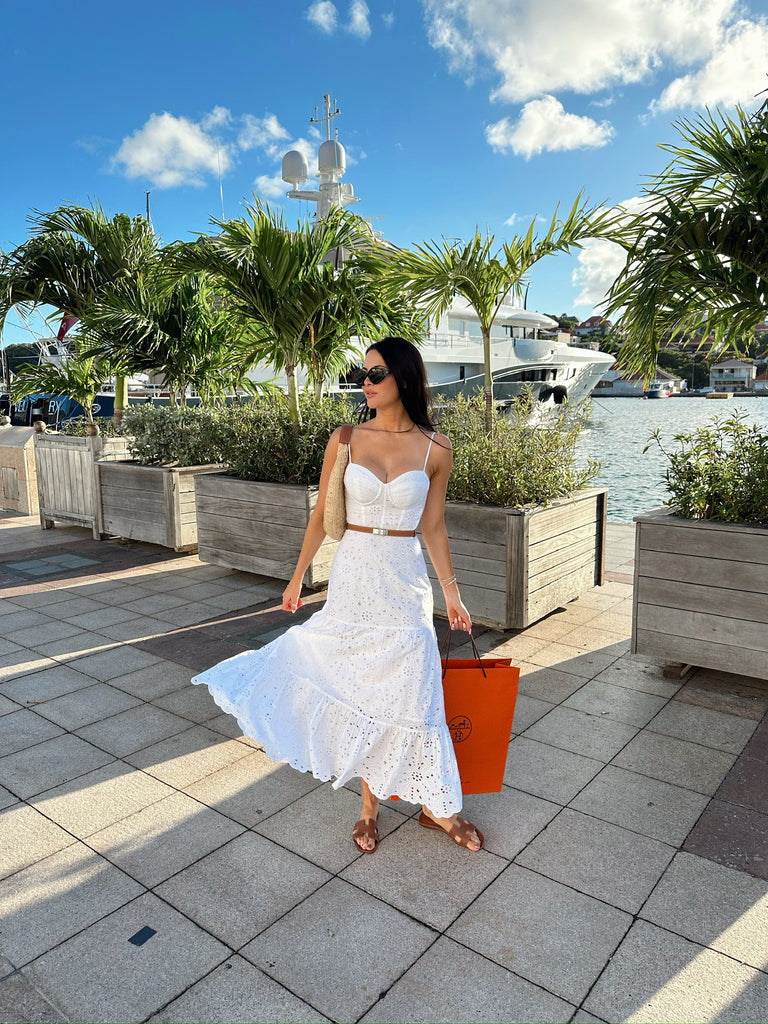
(315, 532)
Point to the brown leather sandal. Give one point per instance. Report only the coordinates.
(365, 830)
(460, 833)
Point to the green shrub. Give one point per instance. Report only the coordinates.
(76, 427)
(719, 471)
(259, 442)
(520, 464)
(166, 436)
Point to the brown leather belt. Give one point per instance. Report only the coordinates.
(381, 533)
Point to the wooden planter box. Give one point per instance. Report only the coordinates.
(18, 481)
(514, 566)
(155, 504)
(67, 488)
(257, 527)
(701, 593)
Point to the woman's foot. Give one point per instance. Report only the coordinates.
(365, 835)
(462, 832)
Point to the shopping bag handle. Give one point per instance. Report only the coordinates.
(447, 650)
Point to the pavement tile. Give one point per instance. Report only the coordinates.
(139, 628)
(639, 674)
(67, 610)
(26, 619)
(20, 1000)
(101, 797)
(156, 604)
(22, 663)
(732, 835)
(657, 976)
(548, 683)
(10, 647)
(424, 873)
(95, 621)
(451, 983)
(585, 665)
(34, 636)
(509, 819)
(241, 888)
(548, 772)
(746, 784)
(27, 836)
(154, 680)
(53, 899)
(648, 806)
(46, 685)
(581, 733)
(555, 626)
(85, 642)
(163, 838)
(134, 729)
(23, 728)
(87, 705)
(725, 691)
(597, 858)
(190, 614)
(758, 744)
(7, 799)
(252, 788)
(587, 637)
(546, 932)
(616, 703)
(518, 648)
(689, 765)
(316, 949)
(192, 702)
(118, 661)
(715, 906)
(50, 763)
(297, 826)
(188, 757)
(100, 975)
(527, 711)
(702, 725)
(196, 649)
(236, 992)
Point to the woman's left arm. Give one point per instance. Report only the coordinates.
(436, 536)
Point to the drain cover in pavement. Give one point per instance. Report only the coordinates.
(49, 565)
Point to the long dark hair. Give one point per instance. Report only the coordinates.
(407, 366)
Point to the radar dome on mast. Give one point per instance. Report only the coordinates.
(295, 168)
(331, 158)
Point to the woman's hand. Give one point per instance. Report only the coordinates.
(292, 597)
(458, 616)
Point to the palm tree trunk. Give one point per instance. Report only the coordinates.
(488, 383)
(121, 398)
(293, 394)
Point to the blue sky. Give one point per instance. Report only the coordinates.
(454, 113)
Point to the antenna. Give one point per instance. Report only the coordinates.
(328, 115)
(221, 186)
(148, 216)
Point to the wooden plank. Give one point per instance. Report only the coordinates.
(579, 560)
(114, 496)
(518, 552)
(725, 657)
(226, 487)
(748, 544)
(564, 517)
(559, 593)
(554, 544)
(677, 622)
(267, 514)
(545, 562)
(490, 551)
(703, 570)
(467, 578)
(151, 532)
(247, 536)
(733, 604)
(487, 607)
(468, 521)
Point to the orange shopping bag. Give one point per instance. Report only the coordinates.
(480, 695)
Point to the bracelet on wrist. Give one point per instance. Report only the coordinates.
(447, 582)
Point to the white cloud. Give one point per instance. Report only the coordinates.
(511, 220)
(578, 45)
(171, 151)
(388, 19)
(733, 74)
(599, 262)
(545, 126)
(358, 19)
(219, 117)
(264, 132)
(273, 187)
(324, 15)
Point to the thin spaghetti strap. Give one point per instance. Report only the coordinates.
(429, 450)
(349, 444)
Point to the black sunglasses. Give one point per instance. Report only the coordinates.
(375, 375)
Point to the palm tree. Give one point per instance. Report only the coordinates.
(80, 376)
(486, 276)
(75, 256)
(301, 308)
(698, 258)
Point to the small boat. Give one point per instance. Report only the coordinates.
(657, 390)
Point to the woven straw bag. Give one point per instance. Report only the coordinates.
(335, 511)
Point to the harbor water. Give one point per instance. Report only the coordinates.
(619, 429)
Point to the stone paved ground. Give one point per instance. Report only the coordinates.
(157, 866)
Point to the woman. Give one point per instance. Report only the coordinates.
(355, 691)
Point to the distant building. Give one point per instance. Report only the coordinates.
(616, 384)
(761, 383)
(593, 325)
(732, 375)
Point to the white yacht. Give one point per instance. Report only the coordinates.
(527, 349)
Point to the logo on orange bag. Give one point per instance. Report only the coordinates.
(461, 728)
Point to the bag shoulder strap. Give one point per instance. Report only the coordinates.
(346, 434)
